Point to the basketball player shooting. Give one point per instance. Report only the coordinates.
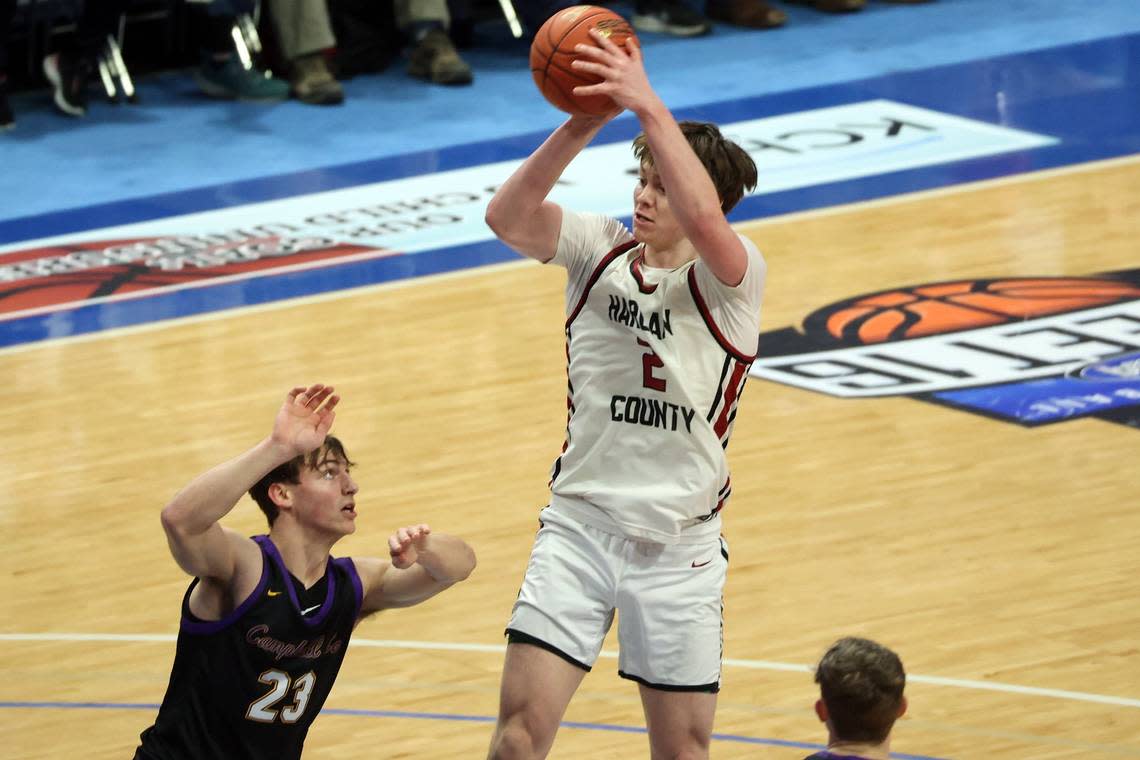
(661, 328)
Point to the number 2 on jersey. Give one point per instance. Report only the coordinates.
(263, 710)
(649, 362)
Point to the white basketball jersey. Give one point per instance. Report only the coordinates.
(657, 360)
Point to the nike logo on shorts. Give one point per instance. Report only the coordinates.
(701, 564)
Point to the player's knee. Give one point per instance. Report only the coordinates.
(685, 746)
(694, 752)
(516, 738)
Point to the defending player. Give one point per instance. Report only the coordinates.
(266, 620)
(861, 685)
(661, 328)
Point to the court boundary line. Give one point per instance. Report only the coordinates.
(964, 187)
(961, 683)
(939, 192)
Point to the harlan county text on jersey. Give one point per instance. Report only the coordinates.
(650, 412)
(626, 311)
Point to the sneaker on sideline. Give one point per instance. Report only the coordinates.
(229, 80)
(68, 78)
(669, 17)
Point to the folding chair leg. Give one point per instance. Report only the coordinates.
(512, 18)
(108, 80)
(119, 69)
(247, 41)
(113, 72)
(249, 32)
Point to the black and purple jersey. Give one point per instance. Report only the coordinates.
(249, 686)
(825, 755)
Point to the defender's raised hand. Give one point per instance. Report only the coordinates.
(305, 418)
(621, 69)
(405, 545)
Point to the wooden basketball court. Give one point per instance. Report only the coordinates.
(999, 561)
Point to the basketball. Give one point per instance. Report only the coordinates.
(962, 305)
(552, 52)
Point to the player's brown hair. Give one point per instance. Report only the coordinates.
(862, 683)
(290, 472)
(731, 168)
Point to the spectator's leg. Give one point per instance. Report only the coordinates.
(303, 33)
(433, 56)
(70, 70)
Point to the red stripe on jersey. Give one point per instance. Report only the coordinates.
(735, 383)
(706, 315)
(569, 413)
(635, 270)
(724, 493)
(569, 387)
(601, 267)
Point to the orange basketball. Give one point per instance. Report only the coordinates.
(552, 52)
(963, 305)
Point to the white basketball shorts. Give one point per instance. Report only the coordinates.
(668, 601)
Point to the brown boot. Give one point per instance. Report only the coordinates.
(754, 14)
(313, 83)
(434, 58)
